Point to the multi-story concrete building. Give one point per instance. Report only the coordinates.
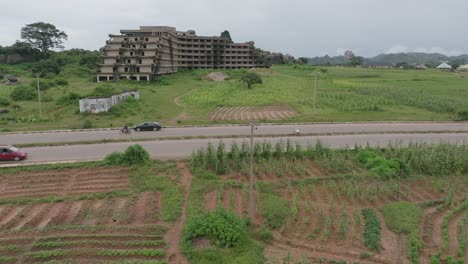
(150, 51)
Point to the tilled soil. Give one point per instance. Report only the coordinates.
(64, 182)
(253, 113)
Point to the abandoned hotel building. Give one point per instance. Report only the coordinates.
(153, 50)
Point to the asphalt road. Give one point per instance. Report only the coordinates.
(175, 149)
(219, 131)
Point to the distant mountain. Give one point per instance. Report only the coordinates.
(412, 58)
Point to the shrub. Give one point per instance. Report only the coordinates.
(61, 81)
(87, 124)
(44, 84)
(133, 155)
(69, 99)
(222, 228)
(265, 234)
(23, 93)
(4, 102)
(115, 158)
(463, 115)
(381, 166)
(251, 78)
(49, 66)
(275, 209)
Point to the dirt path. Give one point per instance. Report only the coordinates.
(173, 236)
(183, 115)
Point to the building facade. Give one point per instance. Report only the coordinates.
(150, 51)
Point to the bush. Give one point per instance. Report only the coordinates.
(23, 93)
(463, 115)
(222, 228)
(61, 81)
(4, 102)
(381, 166)
(87, 124)
(45, 67)
(251, 78)
(134, 155)
(265, 234)
(69, 99)
(44, 84)
(275, 209)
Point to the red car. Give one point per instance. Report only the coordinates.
(12, 153)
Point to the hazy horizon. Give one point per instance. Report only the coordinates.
(301, 28)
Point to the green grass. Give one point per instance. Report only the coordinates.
(344, 94)
(401, 217)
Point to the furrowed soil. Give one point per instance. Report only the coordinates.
(80, 226)
(99, 216)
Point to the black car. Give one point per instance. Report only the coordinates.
(148, 126)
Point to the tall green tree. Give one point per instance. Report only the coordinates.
(43, 36)
(226, 34)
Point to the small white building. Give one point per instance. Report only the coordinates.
(463, 68)
(102, 104)
(444, 66)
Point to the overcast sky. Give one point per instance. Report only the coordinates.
(300, 27)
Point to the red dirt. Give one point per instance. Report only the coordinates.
(210, 201)
(174, 235)
(253, 113)
(139, 208)
(64, 182)
(453, 234)
(53, 212)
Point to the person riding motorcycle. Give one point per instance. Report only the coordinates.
(125, 129)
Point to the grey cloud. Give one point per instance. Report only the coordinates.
(299, 27)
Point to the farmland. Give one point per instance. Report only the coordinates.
(286, 95)
(402, 204)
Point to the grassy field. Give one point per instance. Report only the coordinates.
(344, 94)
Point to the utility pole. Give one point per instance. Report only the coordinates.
(39, 95)
(251, 179)
(315, 94)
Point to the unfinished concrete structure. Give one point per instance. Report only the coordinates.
(103, 104)
(153, 50)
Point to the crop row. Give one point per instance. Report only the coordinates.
(372, 229)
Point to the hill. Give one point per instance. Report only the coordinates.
(412, 58)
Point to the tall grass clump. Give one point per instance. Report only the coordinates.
(133, 155)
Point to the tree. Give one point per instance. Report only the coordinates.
(227, 35)
(251, 78)
(356, 60)
(43, 36)
(304, 60)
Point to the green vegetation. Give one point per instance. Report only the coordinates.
(372, 229)
(344, 94)
(401, 217)
(221, 227)
(404, 218)
(251, 78)
(275, 209)
(380, 166)
(133, 155)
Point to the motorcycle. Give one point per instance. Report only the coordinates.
(125, 131)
